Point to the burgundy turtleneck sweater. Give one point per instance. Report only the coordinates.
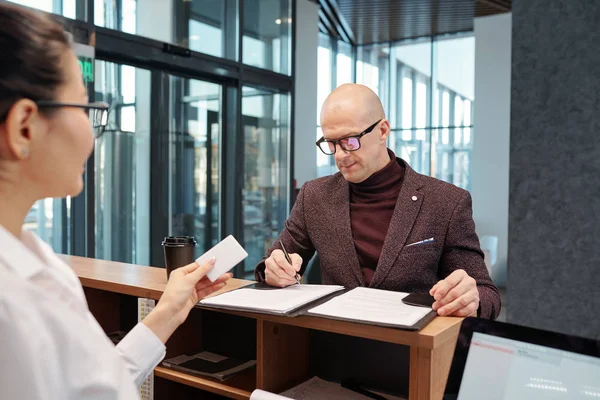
(372, 204)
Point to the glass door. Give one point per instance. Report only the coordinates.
(266, 185)
(122, 165)
(194, 159)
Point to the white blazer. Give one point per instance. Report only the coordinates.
(52, 347)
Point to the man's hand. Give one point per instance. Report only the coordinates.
(456, 296)
(278, 272)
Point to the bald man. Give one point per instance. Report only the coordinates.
(380, 224)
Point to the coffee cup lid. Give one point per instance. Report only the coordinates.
(179, 241)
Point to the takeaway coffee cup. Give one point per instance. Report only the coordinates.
(179, 251)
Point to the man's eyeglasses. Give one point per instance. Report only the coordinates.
(98, 112)
(348, 143)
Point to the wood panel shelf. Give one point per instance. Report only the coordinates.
(239, 387)
(284, 348)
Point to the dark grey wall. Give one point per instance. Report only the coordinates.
(554, 214)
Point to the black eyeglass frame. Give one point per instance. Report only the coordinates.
(339, 141)
(96, 105)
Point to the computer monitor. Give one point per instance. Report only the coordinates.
(499, 361)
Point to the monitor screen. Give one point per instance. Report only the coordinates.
(501, 369)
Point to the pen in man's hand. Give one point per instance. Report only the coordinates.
(288, 259)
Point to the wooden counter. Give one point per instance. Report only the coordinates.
(279, 343)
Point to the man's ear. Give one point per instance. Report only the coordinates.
(384, 130)
(21, 121)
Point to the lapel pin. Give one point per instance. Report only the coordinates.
(414, 198)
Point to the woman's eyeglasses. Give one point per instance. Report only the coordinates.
(348, 143)
(98, 112)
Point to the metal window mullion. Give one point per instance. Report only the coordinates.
(159, 167)
(292, 114)
(232, 176)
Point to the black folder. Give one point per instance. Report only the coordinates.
(304, 310)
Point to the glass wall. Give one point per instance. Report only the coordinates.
(194, 160)
(410, 115)
(324, 84)
(427, 89)
(372, 69)
(124, 16)
(266, 187)
(122, 165)
(335, 67)
(454, 84)
(209, 29)
(174, 124)
(67, 8)
(344, 63)
(267, 34)
(197, 24)
(325, 72)
(209, 26)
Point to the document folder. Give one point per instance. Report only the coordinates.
(359, 305)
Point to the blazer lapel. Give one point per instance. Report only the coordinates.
(340, 213)
(404, 217)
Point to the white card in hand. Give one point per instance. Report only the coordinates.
(228, 253)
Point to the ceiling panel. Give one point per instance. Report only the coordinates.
(377, 21)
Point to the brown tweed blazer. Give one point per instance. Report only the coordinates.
(426, 208)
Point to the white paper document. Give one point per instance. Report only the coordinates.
(317, 389)
(281, 300)
(372, 305)
(262, 395)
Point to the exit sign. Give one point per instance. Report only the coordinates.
(87, 69)
(85, 54)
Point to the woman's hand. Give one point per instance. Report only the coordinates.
(186, 286)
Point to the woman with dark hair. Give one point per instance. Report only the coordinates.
(52, 347)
